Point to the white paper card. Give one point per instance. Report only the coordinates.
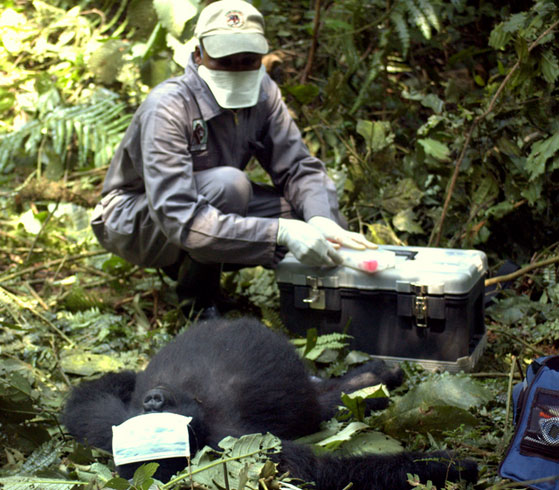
(150, 437)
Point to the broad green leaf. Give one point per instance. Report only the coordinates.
(14, 32)
(499, 37)
(486, 191)
(87, 363)
(118, 483)
(242, 446)
(342, 436)
(381, 234)
(377, 134)
(142, 17)
(370, 442)
(246, 457)
(365, 129)
(107, 60)
(355, 401)
(404, 195)
(508, 147)
(515, 23)
(541, 151)
(406, 220)
(174, 14)
(304, 94)
(533, 191)
(501, 209)
(435, 148)
(439, 404)
(431, 101)
(549, 66)
(428, 420)
(312, 337)
(338, 24)
(143, 475)
(30, 222)
(328, 429)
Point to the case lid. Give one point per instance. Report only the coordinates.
(441, 270)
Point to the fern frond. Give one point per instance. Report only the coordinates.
(78, 299)
(41, 459)
(418, 18)
(429, 10)
(31, 483)
(333, 340)
(272, 318)
(401, 27)
(94, 127)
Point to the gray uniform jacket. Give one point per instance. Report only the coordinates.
(151, 208)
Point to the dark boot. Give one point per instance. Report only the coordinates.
(199, 290)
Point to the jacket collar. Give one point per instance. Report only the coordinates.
(209, 108)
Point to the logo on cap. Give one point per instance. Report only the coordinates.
(235, 18)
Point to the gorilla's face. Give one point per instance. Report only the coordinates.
(159, 399)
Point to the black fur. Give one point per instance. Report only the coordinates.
(237, 377)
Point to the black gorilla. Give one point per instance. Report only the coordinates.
(237, 377)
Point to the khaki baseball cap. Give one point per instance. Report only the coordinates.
(231, 26)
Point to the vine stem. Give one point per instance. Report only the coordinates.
(475, 123)
(173, 482)
(50, 263)
(314, 43)
(521, 272)
(509, 392)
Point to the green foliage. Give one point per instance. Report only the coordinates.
(321, 348)
(94, 127)
(439, 404)
(355, 401)
(34, 483)
(350, 438)
(420, 14)
(393, 91)
(257, 284)
(529, 320)
(243, 462)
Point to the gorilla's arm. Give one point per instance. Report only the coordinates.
(374, 472)
(95, 406)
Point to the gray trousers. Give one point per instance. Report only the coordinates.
(140, 241)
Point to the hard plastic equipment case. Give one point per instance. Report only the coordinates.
(429, 308)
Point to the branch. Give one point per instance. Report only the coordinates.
(521, 272)
(314, 43)
(50, 263)
(476, 121)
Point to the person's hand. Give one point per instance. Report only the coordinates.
(307, 243)
(336, 234)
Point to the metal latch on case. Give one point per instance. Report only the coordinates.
(316, 299)
(420, 311)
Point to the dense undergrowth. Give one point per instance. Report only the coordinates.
(438, 121)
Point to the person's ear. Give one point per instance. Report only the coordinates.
(197, 55)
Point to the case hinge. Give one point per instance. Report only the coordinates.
(419, 307)
(316, 299)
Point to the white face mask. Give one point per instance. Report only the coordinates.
(233, 89)
(151, 436)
